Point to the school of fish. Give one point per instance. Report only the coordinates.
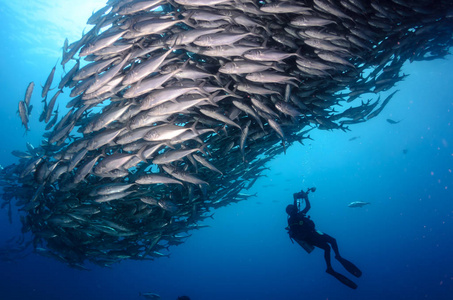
(177, 106)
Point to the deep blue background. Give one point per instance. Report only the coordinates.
(402, 241)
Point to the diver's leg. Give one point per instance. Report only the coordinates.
(333, 242)
(317, 241)
(327, 258)
(349, 266)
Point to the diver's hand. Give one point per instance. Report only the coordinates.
(301, 195)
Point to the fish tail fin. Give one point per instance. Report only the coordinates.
(182, 66)
(201, 89)
(211, 98)
(299, 53)
(266, 28)
(168, 145)
(187, 21)
(140, 153)
(217, 78)
(277, 68)
(202, 150)
(232, 93)
(193, 127)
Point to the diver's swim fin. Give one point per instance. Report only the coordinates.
(343, 279)
(349, 266)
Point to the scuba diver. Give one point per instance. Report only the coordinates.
(302, 230)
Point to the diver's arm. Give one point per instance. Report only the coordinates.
(295, 198)
(302, 196)
(307, 206)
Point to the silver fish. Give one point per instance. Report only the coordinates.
(48, 83)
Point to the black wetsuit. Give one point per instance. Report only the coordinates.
(301, 227)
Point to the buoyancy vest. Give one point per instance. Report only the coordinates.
(300, 226)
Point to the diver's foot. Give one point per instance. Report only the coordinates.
(349, 266)
(343, 279)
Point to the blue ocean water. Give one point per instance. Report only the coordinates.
(402, 241)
